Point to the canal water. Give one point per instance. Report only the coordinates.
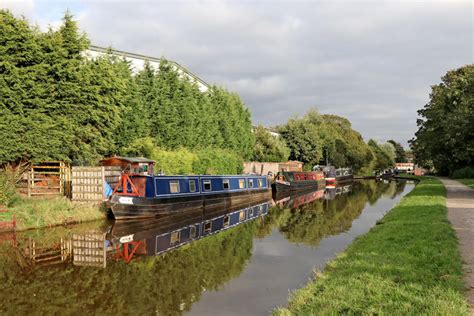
(225, 262)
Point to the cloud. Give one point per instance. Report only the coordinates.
(372, 62)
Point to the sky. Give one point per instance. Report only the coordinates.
(372, 62)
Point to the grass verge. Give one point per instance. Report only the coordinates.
(40, 213)
(468, 182)
(407, 264)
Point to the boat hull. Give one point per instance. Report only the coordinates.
(128, 207)
(280, 186)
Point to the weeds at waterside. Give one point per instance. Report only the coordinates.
(39, 213)
(407, 264)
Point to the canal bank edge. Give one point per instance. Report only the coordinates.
(409, 263)
(49, 212)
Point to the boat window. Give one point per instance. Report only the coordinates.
(251, 183)
(175, 236)
(192, 186)
(251, 212)
(242, 216)
(225, 184)
(260, 183)
(226, 221)
(192, 232)
(174, 186)
(241, 183)
(207, 185)
(207, 227)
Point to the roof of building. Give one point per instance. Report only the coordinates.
(149, 58)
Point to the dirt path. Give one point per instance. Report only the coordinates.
(460, 202)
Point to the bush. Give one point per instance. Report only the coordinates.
(217, 161)
(464, 173)
(7, 187)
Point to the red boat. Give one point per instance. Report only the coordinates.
(290, 180)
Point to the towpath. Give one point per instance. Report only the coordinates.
(460, 203)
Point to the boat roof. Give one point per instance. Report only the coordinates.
(131, 159)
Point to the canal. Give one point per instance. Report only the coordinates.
(226, 262)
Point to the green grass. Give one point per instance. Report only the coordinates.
(468, 182)
(46, 212)
(407, 264)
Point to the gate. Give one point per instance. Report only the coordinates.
(48, 178)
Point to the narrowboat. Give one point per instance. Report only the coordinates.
(159, 235)
(143, 195)
(334, 175)
(291, 180)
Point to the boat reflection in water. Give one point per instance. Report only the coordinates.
(299, 198)
(159, 235)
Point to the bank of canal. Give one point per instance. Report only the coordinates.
(408, 264)
(247, 269)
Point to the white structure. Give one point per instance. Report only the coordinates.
(138, 61)
(406, 167)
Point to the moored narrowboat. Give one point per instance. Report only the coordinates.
(142, 196)
(334, 175)
(289, 180)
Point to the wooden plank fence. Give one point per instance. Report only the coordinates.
(88, 182)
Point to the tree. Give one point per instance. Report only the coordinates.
(445, 136)
(268, 147)
(400, 155)
(384, 155)
(315, 139)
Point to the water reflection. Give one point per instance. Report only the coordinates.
(173, 260)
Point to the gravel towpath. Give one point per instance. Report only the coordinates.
(460, 203)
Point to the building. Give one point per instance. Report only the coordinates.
(405, 167)
(137, 62)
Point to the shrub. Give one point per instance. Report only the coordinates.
(7, 186)
(464, 173)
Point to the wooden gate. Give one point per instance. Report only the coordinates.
(88, 183)
(48, 178)
(89, 250)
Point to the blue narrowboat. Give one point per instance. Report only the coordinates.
(142, 196)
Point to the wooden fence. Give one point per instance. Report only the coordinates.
(88, 183)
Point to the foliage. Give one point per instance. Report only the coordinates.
(408, 264)
(59, 104)
(186, 161)
(468, 182)
(269, 148)
(400, 155)
(315, 139)
(384, 155)
(7, 188)
(445, 136)
(466, 172)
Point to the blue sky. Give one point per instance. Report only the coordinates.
(372, 62)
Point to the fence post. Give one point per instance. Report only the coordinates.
(29, 183)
